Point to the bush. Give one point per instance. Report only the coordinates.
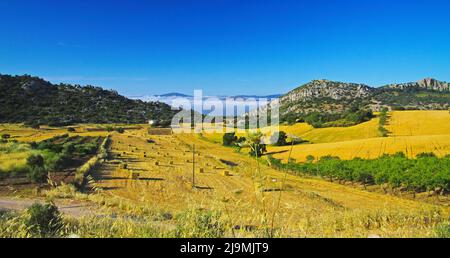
(229, 139)
(44, 220)
(37, 174)
(426, 155)
(383, 131)
(310, 158)
(241, 140)
(279, 139)
(258, 150)
(35, 161)
(120, 130)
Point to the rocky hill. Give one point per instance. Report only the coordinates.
(425, 84)
(35, 101)
(338, 97)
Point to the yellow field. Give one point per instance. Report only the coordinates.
(411, 132)
(368, 148)
(26, 134)
(12, 160)
(411, 123)
(319, 135)
(308, 207)
(249, 194)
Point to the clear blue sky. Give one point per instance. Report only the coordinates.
(224, 46)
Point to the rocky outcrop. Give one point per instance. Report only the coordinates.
(328, 89)
(426, 84)
(335, 97)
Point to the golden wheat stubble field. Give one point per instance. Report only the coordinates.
(249, 194)
(411, 132)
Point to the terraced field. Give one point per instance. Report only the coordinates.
(155, 172)
(247, 193)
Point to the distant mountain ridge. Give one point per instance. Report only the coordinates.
(243, 100)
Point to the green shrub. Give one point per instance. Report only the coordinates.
(279, 139)
(310, 158)
(229, 139)
(35, 161)
(383, 131)
(426, 155)
(44, 220)
(37, 174)
(258, 150)
(120, 130)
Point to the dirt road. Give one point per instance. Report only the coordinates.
(70, 209)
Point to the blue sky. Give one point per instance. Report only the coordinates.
(224, 47)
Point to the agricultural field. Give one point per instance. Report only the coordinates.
(413, 123)
(160, 184)
(411, 132)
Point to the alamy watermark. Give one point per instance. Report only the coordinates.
(225, 115)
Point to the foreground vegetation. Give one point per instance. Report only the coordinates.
(45, 220)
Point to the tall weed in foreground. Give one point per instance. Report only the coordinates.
(197, 223)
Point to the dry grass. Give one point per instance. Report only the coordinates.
(309, 207)
(247, 199)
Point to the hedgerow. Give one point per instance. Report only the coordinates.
(425, 173)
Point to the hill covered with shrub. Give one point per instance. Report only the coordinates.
(323, 102)
(35, 101)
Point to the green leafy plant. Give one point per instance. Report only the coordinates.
(43, 220)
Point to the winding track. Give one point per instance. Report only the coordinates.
(74, 209)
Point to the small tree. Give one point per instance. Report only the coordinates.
(257, 147)
(279, 139)
(37, 172)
